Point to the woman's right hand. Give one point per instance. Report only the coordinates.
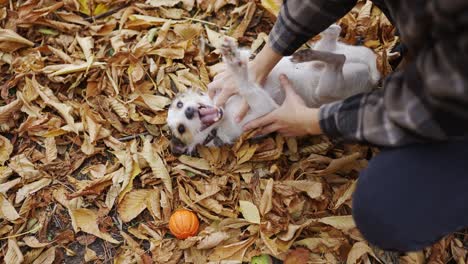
(224, 85)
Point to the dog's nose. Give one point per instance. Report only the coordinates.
(189, 112)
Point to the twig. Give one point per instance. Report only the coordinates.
(132, 136)
(201, 21)
(106, 14)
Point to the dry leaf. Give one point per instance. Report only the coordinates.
(133, 204)
(47, 257)
(358, 250)
(7, 211)
(156, 164)
(86, 221)
(33, 242)
(212, 240)
(31, 188)
(90, 255)
(266, 201)
(249, 211)
(13, 254)
(6, 148)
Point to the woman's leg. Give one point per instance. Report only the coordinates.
(408, 198)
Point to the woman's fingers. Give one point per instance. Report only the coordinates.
(243, 111)
(260, 122)
(269, 129)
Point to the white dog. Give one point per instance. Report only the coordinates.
(330, 71)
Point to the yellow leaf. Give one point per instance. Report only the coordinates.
(86, 221)
(246, 152)
(249, 211)
(273, 6)
(99, 9)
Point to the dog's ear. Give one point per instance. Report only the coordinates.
(177, 146)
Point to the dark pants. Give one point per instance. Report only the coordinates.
(408, 198)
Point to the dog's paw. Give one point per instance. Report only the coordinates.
(304, 56)
(232, 58)
(229, 50)
(315, 55)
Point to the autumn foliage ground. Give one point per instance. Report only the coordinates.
(86, 174)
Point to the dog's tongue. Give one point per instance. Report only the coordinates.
(209, 115)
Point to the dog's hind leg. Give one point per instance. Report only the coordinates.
(258, 99)
(331, 83)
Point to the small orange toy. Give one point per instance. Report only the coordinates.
(183, 223)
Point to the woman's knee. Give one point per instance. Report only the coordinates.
(386, 217)
(382, 226)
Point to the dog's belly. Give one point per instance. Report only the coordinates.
(304, 78)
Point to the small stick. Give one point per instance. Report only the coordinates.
(106, 14)
(132, 136)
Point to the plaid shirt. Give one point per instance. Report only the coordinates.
(425, 101)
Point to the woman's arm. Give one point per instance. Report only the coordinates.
(297, 22)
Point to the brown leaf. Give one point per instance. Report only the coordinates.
(300, 255)
(266, 201)
(358, 250)
(86, 221)
(47, 257)
(6, 148)
(212, 240)
(133, 204)
(13, 254)
(7, 211)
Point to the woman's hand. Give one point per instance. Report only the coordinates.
(224, 84)
(292, 118)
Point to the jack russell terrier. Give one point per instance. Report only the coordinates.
(331, 71)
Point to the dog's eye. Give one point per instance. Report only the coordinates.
(180, 104)
(181, 129)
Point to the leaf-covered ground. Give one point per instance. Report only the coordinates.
(85, 170)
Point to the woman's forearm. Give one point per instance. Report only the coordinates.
(264, 62)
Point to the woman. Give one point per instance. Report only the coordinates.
(416, 190)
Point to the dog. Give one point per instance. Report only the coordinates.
(328, 72)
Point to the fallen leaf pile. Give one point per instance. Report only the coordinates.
(85, 170)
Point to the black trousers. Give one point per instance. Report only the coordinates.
(409, 198)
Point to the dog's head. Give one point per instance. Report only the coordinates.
(191, 117)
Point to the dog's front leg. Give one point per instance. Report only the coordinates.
(258, 99)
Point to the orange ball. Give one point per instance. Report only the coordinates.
(183, 223)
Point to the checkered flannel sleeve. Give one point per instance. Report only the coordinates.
(428, 101)
(300, 20)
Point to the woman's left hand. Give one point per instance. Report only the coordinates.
(292, 118)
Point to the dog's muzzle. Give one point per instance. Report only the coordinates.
(209, 115)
